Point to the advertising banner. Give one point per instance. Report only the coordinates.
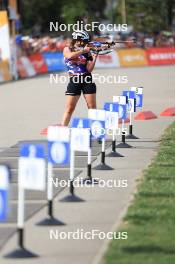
(132, 57)
(160, 56)
(38, 63)
(4, 71)
(4, 35)
(107, 60)
(54, 61)
(25, 68)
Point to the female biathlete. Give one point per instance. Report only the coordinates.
(80, 64)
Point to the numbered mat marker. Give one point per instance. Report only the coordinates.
(58, 153)
(131, 108)
(4, 190)
(122, 110)
(138, 98)
(85, 123)
(112, 124)
(80, 141)
(31, 176)
(98, 120)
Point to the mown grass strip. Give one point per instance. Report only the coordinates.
(150, 220)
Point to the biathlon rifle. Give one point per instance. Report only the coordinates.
(105, 47)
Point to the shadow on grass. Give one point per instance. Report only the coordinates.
(147, 249)
(139, 218)
(162, 178)
(156, 194)
(166, 165)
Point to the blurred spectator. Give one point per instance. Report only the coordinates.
(29, 45)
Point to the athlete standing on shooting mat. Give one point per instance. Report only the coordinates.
(80, 64)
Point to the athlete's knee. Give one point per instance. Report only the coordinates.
(69, 109)
(91, 106)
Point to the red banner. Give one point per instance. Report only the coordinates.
(25, 67)
(107, 61)
(38, 63)
(160, 56)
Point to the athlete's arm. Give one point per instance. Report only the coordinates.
(68, 54)
(91, 64)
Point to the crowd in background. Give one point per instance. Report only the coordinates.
(28, 45)
(161, 39)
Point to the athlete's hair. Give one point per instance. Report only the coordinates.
(72, 43)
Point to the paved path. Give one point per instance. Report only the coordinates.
(26, 110)
(35, 200)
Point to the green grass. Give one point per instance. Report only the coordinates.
(150, 220)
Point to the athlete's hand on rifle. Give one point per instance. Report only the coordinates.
(86, 49)
(106, 47)
(99, 47)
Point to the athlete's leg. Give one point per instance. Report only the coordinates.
(91, 100)
(71, 102)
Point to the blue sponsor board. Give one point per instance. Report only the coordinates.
(98, 120)
(80, 123)
(122, 111)
(30, 150)
(111, 107)
(139, 100)
(116, 107)
(3, 205)
(4, 187)
(129, 94)
(58, 152)
(97, 129)
(131, 106)
(54, 61)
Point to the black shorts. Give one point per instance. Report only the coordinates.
(81, 83)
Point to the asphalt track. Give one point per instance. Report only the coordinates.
(30, 105)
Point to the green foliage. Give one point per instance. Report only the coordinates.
(146, 15)
(41, 12)
(74, 10)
